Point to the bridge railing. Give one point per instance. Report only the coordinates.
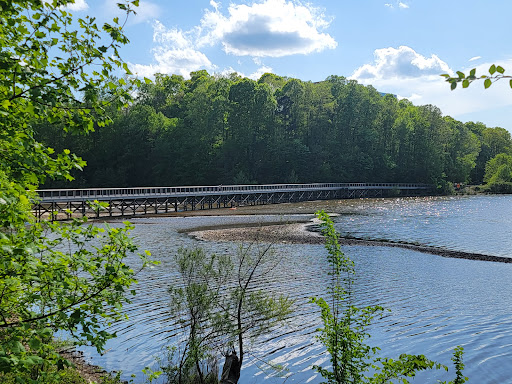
(137, 192)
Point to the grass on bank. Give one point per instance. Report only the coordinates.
(67, 376)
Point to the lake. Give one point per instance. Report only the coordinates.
(435, 303)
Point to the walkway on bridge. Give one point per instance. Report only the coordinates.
(59, 204)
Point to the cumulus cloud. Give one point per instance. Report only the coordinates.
(260, 72)
(268, 28)
(271, 28)
(78, 5)
(410, 75)
(401, 62)
(402, 5)
(174, 52)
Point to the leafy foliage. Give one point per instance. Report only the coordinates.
(496, 72)
(211, 130)
(54, 276)
(344, 332)
(194, 303)
(248, 313)
(499, 169)
(220, 310)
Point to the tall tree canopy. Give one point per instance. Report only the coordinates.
(222, 130)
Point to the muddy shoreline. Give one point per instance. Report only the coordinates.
(308, 233)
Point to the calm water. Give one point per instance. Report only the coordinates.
(436, 303)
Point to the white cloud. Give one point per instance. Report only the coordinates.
(403, 62)
(254, 76)
(271, 28)
(260, 72)
(174, 53)
(226, 72)
(78, 5)
(214, 4)
(268, 28)
(146, 11)
(399, 4)
(410, 75)
(475, 58)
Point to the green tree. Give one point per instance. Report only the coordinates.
(194, 302)
(250, 122)
(220, 307)
(54, 276)
(248, 312)
(344, 332)
(499, 169)
(461, 149)
(275, 130)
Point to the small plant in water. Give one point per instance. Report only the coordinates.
(344, 331)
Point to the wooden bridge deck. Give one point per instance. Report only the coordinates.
(58, 204)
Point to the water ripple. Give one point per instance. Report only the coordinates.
(435, 303)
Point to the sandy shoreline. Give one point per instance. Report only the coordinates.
(293, 233)
(304, 233)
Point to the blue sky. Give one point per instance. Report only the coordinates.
(399, 47)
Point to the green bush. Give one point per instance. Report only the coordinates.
(500, 187)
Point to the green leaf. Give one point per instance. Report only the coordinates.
(487, 83)
(500, 69)
(465, 83)
(492, 70)
(510, 83)
(34, 344)
(453, 85)
(472, 72)
(17, 347)
(126, 69)
(461, 75)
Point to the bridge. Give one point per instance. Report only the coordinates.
(62, 204)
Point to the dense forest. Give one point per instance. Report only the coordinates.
(211, 130)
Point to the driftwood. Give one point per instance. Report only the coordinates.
(230, 370)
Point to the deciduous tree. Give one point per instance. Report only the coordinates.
(54, 276)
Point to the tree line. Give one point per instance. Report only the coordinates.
(211, 130)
